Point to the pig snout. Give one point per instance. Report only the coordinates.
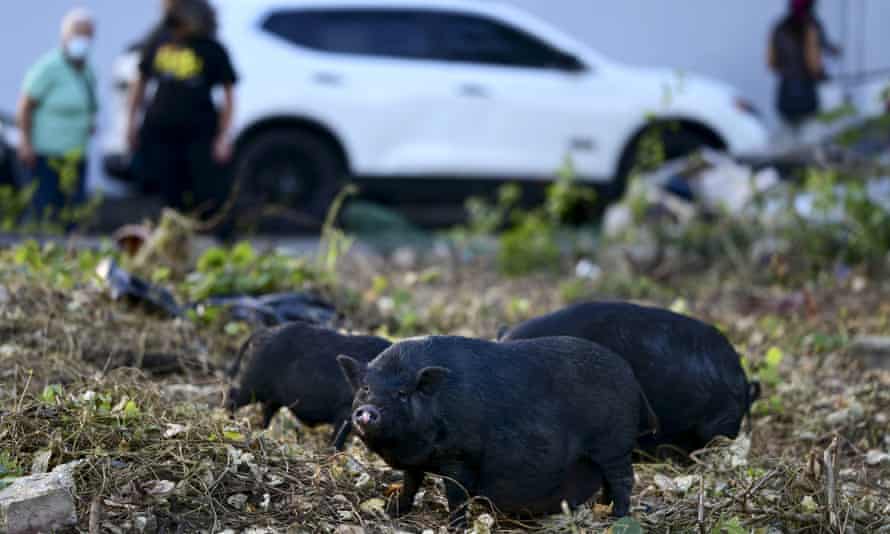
(365, 417)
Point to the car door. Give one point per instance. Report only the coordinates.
(543, 105)
(375, 79)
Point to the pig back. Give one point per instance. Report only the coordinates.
(685, 367)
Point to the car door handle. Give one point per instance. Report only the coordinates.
(473, 90)
(328, 78)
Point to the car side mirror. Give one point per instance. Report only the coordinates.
(570, 63)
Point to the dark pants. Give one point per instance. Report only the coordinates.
(61, 185)
(179, 164)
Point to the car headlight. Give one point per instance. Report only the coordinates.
(746, 106)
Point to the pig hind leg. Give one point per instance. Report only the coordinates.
(618, 480)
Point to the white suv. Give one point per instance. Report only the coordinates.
(383, 91)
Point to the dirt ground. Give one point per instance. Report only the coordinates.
(137, 397)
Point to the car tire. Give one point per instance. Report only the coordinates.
(677, 143)
(292, 168)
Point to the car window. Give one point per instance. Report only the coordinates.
(386, 33)
(481, 40)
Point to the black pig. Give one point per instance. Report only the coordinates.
(687, 369)
(526, 424)
(295, 365)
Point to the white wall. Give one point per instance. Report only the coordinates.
(725, 39)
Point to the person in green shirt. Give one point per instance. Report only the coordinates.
(56, 116)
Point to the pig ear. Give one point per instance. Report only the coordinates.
(353, 370)
(430, 378)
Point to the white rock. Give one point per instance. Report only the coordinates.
(588, 269)
(876, 457)
(159, 488)
(665, 483)
(174, 429)
(39, 503)
(373, 506)
(685, 483)
(237, 501)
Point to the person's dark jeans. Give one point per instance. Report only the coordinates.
(179, 164)
(61, 185)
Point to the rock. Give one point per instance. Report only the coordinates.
(873, 351)
(4, 295)
(588, 269)
(145, 523)
(39, 503)
(876, 457)
(237, 501)
(374, 506)
(349, 529)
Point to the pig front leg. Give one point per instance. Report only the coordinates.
(411, 481)
(342, 428)
(270, 408)
(459, 483)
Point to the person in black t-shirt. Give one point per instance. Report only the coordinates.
(183, 139)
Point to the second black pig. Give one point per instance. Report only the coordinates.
(687, 369)
(526, 424)
(295, 366)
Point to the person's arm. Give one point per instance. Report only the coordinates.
(134, 105)
(771, 60)
(222, 148)
(25, 119)
(813, 53)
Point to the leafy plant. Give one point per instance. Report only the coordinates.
(240, 270)
(334, 242)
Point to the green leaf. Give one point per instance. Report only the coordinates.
(626, 525)
(234, 328)
(233, 436)
(774, 356)
(50, 393)
(131, 410)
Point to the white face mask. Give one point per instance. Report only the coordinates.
(78, 47)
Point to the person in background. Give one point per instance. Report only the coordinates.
(56, 117)
(795, 55)
(183, 140)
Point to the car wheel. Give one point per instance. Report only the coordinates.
(291, 168)
(676, 143)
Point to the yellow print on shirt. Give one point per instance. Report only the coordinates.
(180, 63)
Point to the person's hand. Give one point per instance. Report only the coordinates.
(222, 150)
(26, 154)
(132, 137)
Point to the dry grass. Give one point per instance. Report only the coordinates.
(172, 461)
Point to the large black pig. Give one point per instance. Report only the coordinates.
(688, 370)
(526, 424)
(295, 365)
